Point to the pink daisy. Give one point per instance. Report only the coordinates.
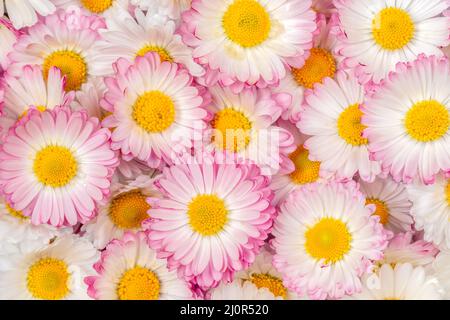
(56, 166)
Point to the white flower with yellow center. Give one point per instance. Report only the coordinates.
(125, 211)
(431, 210)
(100, 7)
(24, 13)
(379, 34)
(325, 239)
(391, 203)
(129, 270)
(53, 272)
(241, 290)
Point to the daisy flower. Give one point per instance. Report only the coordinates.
(391, 202)
(24, 13)
(212, 220)
(380, 34)
(128, 37)
(408, 121)
(9, 36)
(31, 90)
(129, 270)
(107, 8)
(325, 239)
(241, 290)
(332, 117)
(56, 166)
(401, 282)
(263, 274)
(53, 272)
(125, 211)
(54, 42)
(243, 124)
(442, 271)
(431, 210)
(248, 42)
(129, 170)
(155, 109)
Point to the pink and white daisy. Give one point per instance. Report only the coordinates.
(56, 165)
(130, 270)
(379, 34)
(211, 221)
(155, 109)
(248, 42)
(326, 238)
(31, 91)
(391, 202)
(24, 13)
(332, 117)
(408, 121)
(241, 290)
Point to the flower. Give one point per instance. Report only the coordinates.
(248, 42)
(107, 8)
(211, 221)
(129, 270)
(391, 203)
(125, 211)
(408, 121)
(24, 13)
(155, 109)
(402, 282)
(325, 239)
(56, 165)
(336, 130)
(52, 272)
(442, 271)
(241, 290)
(379, 34)
(9, 37)
(431, 210)
(169, 8)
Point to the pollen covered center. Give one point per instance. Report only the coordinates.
(129, 209)
(447, 193)
(71, 64)
(328, 239)
(97, 6)
(207, 214)
(232, 130)
(349, 126)
(381, 210)
(154, 111)
(246, 23)
(162, 52)
(138, 283)
(393, 28)
(317, 67)
(48, 279)
(306, 171)
(274, 284)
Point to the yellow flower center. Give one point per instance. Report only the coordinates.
(97, 6)
(382, 209)
(232, 129)
(48, 279)
(129, 209)
(71, 64)
(349, 126)
(393, 28)
(207, 214)
(274, 284)
(447, 193)
(328, 239)
(246, 23)
(55, 166)
(154, 111)
(138, 283)
(17, 214)
(162, 52)
(306, 171)
(427, 121)
(318, 66)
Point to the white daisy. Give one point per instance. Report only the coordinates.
(23, 13)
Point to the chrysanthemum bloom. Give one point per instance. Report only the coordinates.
(105, 8)
(391, 202)
(54, 42)
(332, 117)
(31, 90)
(129, 270)
(326, 238)
(211, 221)
(442, 271)
(241, 290)
(156, 110)
(408, 121)
(125, 210)
(243, 124)
(322, 61)
(401, 282)
(431, 210)
(379, 34)
(9, 36)
(23, 13)
(56, 166)
(248, 42)
(263, 274)
(128, 37)
(52, 272)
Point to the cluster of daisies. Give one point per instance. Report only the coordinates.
(225, 149)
